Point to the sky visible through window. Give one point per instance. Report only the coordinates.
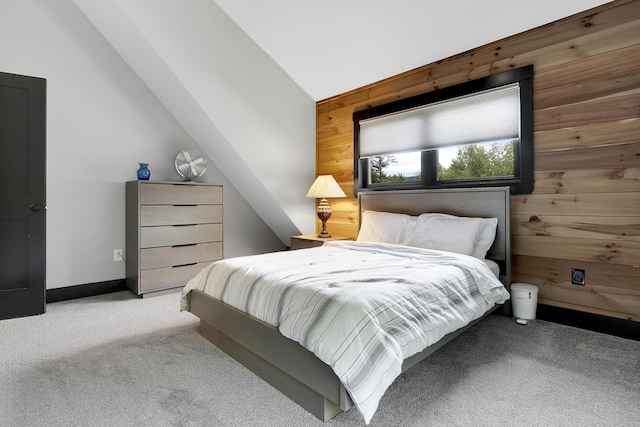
(408, 164)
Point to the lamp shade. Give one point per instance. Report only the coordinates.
(325, 186)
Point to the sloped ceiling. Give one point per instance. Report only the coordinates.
(242, 76)
(332, 46)
(254, 123)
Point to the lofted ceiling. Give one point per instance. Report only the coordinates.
(332, 46)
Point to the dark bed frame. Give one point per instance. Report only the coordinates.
(297, 372)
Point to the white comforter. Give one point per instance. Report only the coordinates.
(362, 308)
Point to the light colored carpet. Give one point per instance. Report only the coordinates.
(117, 360)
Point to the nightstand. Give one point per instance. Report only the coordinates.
(312, 241)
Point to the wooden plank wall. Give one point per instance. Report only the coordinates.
(585, 208)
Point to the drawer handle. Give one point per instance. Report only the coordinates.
(183, 225)
(184, 265)
(184, 245)
(188, 206)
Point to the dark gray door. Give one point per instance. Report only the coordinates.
(22, 195)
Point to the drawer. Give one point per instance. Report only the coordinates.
(178, 255)
(168, 277)
(176, 215)
(180, 194)
(179, 235)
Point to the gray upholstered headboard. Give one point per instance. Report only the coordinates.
(492, 202)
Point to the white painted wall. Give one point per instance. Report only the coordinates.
(101, 121)
(245, 112)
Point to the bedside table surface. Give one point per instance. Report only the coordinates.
(305, 241)
(315, 237)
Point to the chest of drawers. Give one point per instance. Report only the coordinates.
(173, 230)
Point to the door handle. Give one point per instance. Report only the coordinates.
(35, 207)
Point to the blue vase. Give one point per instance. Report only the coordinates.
(143, 172)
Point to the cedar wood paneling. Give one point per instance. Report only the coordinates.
(585, 208)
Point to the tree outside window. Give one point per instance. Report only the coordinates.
(469, 162)
(480, 161)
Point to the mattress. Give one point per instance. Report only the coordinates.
(362, 308)
(493, 266)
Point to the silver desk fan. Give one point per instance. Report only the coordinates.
(190, 164)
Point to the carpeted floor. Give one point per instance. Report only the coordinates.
(117, 360)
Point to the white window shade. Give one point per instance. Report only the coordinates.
(482, 117)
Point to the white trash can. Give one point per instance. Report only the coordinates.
(524, 300)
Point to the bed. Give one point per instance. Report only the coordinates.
(298, 372)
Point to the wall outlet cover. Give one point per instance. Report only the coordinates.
(577, 276)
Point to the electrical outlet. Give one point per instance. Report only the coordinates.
(577, 276)
(117, 255)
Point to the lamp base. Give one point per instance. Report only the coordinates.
(324, 234)
(324, 213)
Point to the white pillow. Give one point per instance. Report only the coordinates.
(411, 229)
(411, 226)
(446, 233)
(486, 237)
(383, 227)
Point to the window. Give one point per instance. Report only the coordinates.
(478, 133)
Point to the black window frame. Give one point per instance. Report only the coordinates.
(521, 183)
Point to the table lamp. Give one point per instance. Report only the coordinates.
(325, 186)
